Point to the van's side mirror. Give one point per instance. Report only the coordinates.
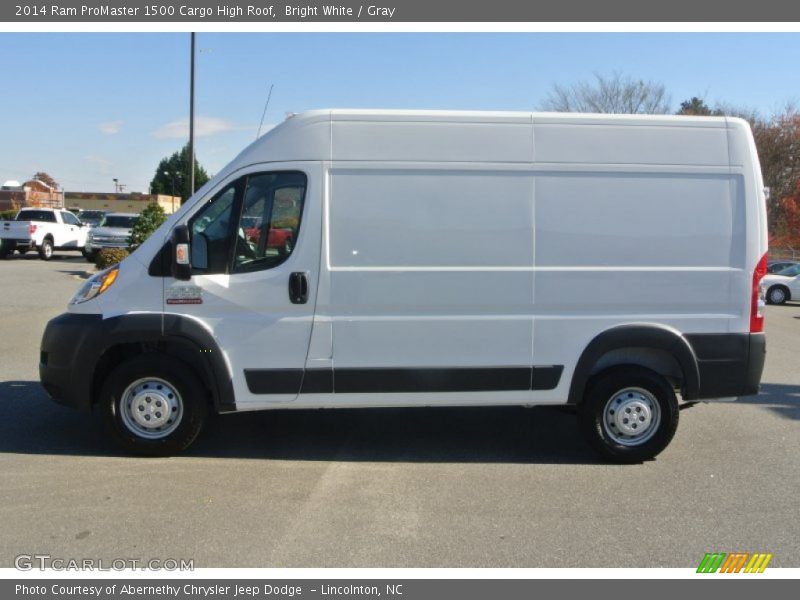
(181, 257)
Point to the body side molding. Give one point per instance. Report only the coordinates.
(402, 380)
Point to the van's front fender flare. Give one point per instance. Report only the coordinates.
(184, 332)
(653, 337)
(76, 345)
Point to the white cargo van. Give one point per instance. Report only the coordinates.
(399, 258)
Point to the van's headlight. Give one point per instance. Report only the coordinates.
(96, 285)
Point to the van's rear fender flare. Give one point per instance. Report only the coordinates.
(652, 337)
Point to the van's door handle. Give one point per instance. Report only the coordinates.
(298, 287)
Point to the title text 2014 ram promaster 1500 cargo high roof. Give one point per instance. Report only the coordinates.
(400, 258)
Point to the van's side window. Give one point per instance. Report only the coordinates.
(211, 230)
(270, 223)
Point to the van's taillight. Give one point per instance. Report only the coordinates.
(756, 298)
(31, 228)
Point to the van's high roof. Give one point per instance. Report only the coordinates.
(502, 137)
(498, 116)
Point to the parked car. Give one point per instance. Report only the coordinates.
(91, 217)
(42, 229)
(776, 266)
(280, 239)
(783, 286)
(114, 231)
(607, 262)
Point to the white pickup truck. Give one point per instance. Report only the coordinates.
(42, 229)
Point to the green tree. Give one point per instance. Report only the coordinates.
(151, 219)
(697, 107)
(172, 174)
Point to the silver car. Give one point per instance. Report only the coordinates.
(114, 231)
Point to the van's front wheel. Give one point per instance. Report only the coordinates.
(153, 405)
(629, 414)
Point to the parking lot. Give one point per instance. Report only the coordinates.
(499, 487)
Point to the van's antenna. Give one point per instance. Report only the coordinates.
(258, 134)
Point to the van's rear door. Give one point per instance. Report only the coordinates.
(255, 248)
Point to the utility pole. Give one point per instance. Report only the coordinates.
(191, 122)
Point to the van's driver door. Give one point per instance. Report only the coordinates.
(255, 251)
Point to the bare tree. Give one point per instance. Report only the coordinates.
(777, 139)
(614, 94)
(46, 179)
(778, 144)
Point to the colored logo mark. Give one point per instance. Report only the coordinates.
(735, 562)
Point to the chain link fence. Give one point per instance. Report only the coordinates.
(785, 253)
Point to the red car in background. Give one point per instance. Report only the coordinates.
(278, 237)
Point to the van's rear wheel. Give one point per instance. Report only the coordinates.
(153, 405)
(629, 414)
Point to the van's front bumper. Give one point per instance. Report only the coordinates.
(63, 371)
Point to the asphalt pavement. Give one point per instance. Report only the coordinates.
(477, 487)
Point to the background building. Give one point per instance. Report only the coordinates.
(132, 203)
(15, 195)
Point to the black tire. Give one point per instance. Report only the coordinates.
(89, 256)
(191, 397)
(285, 249)
(6, 248)
(778, 294)
(640, 389)
(46, 249)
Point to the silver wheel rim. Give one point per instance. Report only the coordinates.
(631, 416)
(48, 250)
(151, 408)
(777, 295)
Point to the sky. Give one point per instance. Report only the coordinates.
(88, 108)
